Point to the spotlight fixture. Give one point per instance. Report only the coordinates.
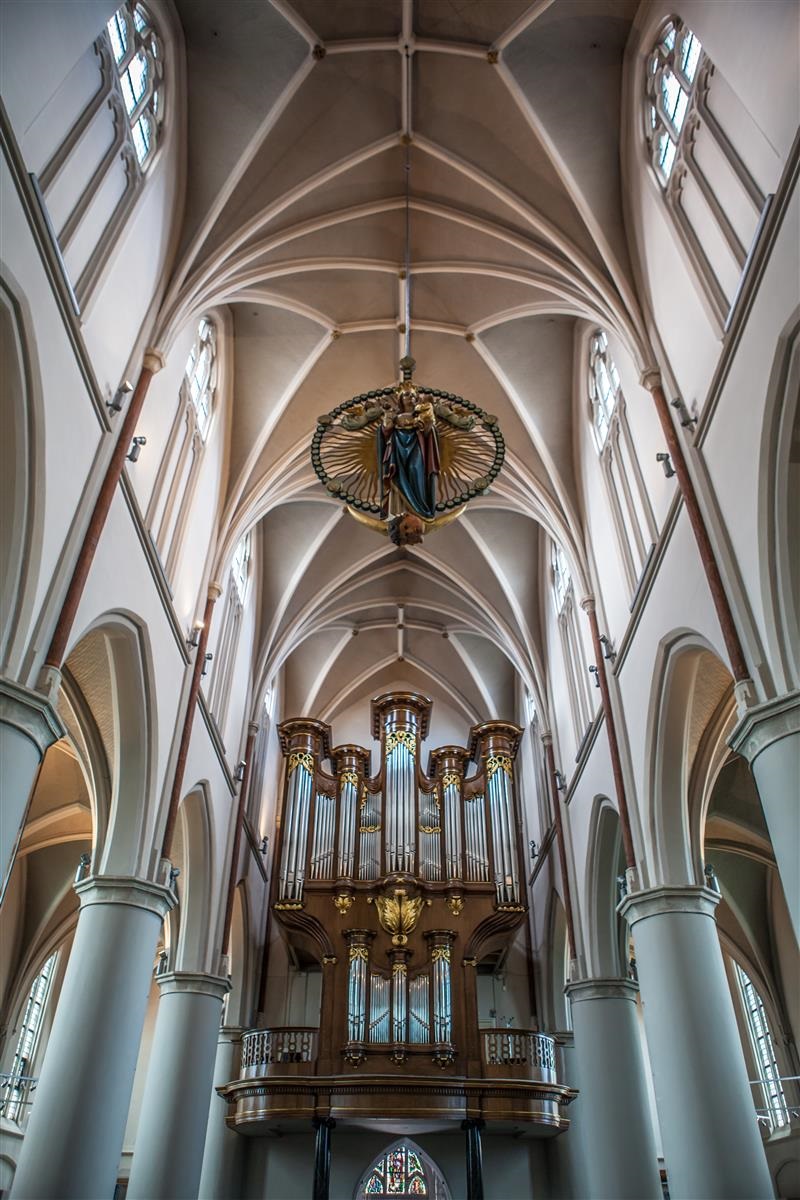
(666, 463)
(264, 845)
(193, 639)
(238, 774)
(686, 418)
(118, 399)
(609, 652)
(208, 659)
(84, 862)
(136, 449)
(534, 849)
(174, 872)
(561, 782)
(594, 671)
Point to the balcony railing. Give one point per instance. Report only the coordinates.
(520, 1053)
(15, 1097)
(265, 1049)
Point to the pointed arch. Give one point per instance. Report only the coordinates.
(403, 1168)
(605, 863)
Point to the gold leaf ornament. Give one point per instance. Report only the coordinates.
(398, 914)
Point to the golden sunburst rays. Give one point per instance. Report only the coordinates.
(350, 461)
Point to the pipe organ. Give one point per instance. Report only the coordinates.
(399, 882)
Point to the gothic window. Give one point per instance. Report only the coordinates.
(775, 1112)
(631, 511)
(174, 489)
(699, 135)
(575, 667)
(137, 57)
(90, 183)
(403, 1170)
(16, 1086)
(225, 655)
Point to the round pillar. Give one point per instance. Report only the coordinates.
(220, 1178)
(73, 1143)
(768, 736)
(617, 1133)
(712, 1147)
(168, 1153)
(28, 725)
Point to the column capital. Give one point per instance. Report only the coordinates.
(126, 889)
(657, 901)
(764, 724)
(547, 738)
(194, 983)
(602, 989)
(214, 590)
(650, 378)
(588, 603)
(253, 728)
(31, 713)
(154, 360)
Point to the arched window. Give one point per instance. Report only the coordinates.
(403, 1170)
(106, 143)
(775, 1112)
(631, 511)
(704, 148)
(575, 667)
(17, 1085)
(225, 655)
(176, 482)
(138, 60)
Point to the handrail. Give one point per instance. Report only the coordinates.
(278, 1046)
(518, 1047)
(15, 1095)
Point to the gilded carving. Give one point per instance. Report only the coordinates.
(398, 914)
(456, 905)
(301, 758)
(343, 902)
(401, 737)
(496, 763)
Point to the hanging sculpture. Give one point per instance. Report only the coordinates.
(406, 459)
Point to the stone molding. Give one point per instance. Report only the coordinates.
(661, 901)
(193, 983)
(602, 989)
(128, 890)
(31, 713)
(764, 724)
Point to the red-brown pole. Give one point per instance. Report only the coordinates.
(252, 730)
(611, 732)
(652, 381)
(153, 362)
(547, 739)
(214, 591)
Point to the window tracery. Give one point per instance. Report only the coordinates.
(176, 482)
(138, 60)
(631, 511)
(403, 1170)
(698, 139)
(225, 655)
(575, 667)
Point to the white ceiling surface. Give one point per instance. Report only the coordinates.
(295, 221)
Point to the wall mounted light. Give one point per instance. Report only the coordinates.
(84, 862)
(666, 463)
(118, 399)
(534, 849)
(608, 650)
(594, 671)
(136, 449)
(263, 847)
(686, 418)
(193, 639)
(561, 782)
(174, 872)
(208, 659)
(238, 774)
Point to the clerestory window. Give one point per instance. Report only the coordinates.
(138, 60)
(775, 1112)
(575, 667)
(18, 1085)
(225, 654)
(631, 511)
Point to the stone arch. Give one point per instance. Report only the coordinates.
(21, 472)
(688, 672)
(779, 509)
(436, 1187)
(239, 1002)
(111, 663)
(558, 1015)
(193, 853)
(605, 863)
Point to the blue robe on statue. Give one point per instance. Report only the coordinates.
(409, 461)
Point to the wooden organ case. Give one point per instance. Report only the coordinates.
(398, 883)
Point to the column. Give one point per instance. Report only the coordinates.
(220, 1178)
(168, 1154)
(473, 1128)
(768, 736)
(28, 725)
(73, 1143)
(710, 1136)
(617, 1134)
(322, 1157)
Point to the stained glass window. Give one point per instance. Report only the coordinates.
(137, 56)
(400, 1171)
(671, 79)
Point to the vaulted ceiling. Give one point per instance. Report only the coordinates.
(300, 118)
